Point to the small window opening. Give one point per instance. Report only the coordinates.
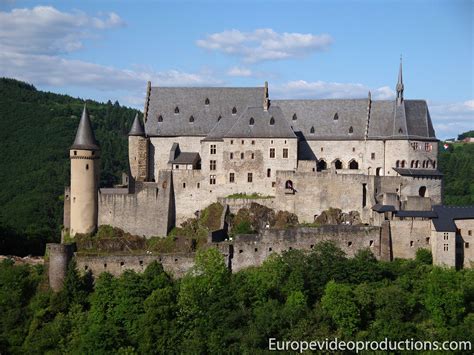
(252, 121)
(234, 111)
(272, 121)
(160, 118)
(176, 110)
(295, 117)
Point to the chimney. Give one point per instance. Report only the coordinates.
(266, 100)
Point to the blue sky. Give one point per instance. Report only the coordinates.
(305, 49)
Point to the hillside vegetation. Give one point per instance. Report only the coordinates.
(36, 130)
(294, 296)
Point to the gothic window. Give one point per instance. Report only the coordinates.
(289, 184)
(397, 164)
(295, 117)
(412, 164)
(234, 111)
(272, 121)
(176, 110)
(353, 164)
(191, 119)
(252, 121)
(336, 116)
(338, 164)
(160, 118)
(321, 165)
(351, 130)
(311, 130)
(207, 102)
(403, 164)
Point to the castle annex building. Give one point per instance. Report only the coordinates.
(199, 145)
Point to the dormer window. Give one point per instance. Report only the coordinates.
(191, 119)
(272, 121)
(219, 118)
(295, 117)
(311, 130)
(207, 102)
(176, 110)
(160, 118)
(234, 111)
(252, 121)
(336, 116)
(351, 130)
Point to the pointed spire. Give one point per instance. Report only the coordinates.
(137, 127)
(85, 139)
(400, 86)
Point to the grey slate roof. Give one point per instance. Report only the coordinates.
(261, 127)
(422, 214)
(192, 102)
(418, 172)
(85, 138)
(410, 120)
(137, 127)
(383, 208)
(186, 158)
(447, 215)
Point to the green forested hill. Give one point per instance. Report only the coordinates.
(457, 165)
(36, 131)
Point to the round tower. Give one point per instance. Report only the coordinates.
(84, 155)
(138, 151)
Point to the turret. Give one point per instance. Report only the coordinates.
(400, 86)
(85, 160)
(138, 151)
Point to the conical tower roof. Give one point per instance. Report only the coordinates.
(85, 138)
(137, 127)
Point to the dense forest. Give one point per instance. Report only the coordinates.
(296, 296)
(36, 130)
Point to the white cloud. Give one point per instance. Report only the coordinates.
(265, 44)
(59, 72)
(451, 119)
(46, 30)
(326, 90)
(239, 71)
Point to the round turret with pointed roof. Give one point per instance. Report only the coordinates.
(137, 128)
(85, 139)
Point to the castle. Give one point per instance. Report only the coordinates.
(200, 145)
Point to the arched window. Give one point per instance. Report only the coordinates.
(219, 118)
(234, 111)
(377, 171)
(338, 164)
(160, 118)
(321, 165)
(295, 117)
(422, 191)
(336, 116)
(417, 164)
(351, 130)
(272, 121)
(403, 163)
(289, 184)
(434, 164)
(252, 121)
(311, 130)
(412, 165)
(400, 130)
(353, 164)
(191, 119)
(397, 164)
(176, 110)
(207, 102)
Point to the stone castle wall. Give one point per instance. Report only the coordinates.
(408, 236)
(149, 211)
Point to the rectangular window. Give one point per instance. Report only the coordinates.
(213, 149)
(231, 177)
(243, 142)
(212, 180)
(253, 155)
(372, 156)
(364, 195)
(466, 245)
(253, 142)
(231, 156)
(231, 141)
(469, 232)
(285, 152)
(446, 236)
(272, 152)
(445, 247)
(241, 155)
(249, 177)
(269, 172)
(212, 165)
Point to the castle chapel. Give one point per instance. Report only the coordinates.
(196, 146)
